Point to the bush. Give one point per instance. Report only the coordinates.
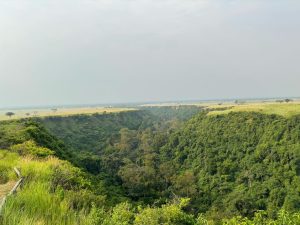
(30, 148)
(169, 214)
(68, 177)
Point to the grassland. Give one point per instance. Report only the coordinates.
(36, 204)
(283, 109)
(267, 107)
(27, 113)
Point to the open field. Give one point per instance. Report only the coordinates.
(22, 113)
(283, 109)
(219, 107)
(271, 107)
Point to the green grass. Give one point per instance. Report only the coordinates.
(8, 161)
(36, 203)
(282, 109)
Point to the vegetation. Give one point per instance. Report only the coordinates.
(287, 109)
(181, 112)
(153, 167)
(28, 113)
(90, 133)
(241, 163)
(9, 114)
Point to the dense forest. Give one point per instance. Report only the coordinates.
(91, 133)
(156, 165)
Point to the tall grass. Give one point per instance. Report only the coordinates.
(8, 161)
(283, 109)
(37, 203)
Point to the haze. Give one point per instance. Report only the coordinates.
(108, 51)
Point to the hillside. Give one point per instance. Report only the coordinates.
(50, 183)
(240, 162)
(149, 167)
(92, 133)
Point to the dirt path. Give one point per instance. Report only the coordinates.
(5, 188)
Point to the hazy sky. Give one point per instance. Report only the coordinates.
(101, 51)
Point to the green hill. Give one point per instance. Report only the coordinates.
(240, 162)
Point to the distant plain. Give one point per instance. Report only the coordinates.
(286, 109)
(45, 112)
(283, 109)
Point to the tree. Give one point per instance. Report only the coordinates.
(185, 184)
(166, 214)
(9, 114)
(127, 140)
(288, 100)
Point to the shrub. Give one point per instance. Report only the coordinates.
(30, 148)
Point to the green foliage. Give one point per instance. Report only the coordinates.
(121, 214)
(92, 133)
(169, 214)
(42, 137)
(38, 202)
(53, 189)
(181, 112)
(228, 165)
(8, 161)
(243, 162)
(68, 177)
(12, 132)
(260, 218)
(19, 131)
(30, 148)
(36, 205)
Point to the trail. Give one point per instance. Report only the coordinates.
(6, 188)
(9, 188)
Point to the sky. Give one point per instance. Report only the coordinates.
(55, 52)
